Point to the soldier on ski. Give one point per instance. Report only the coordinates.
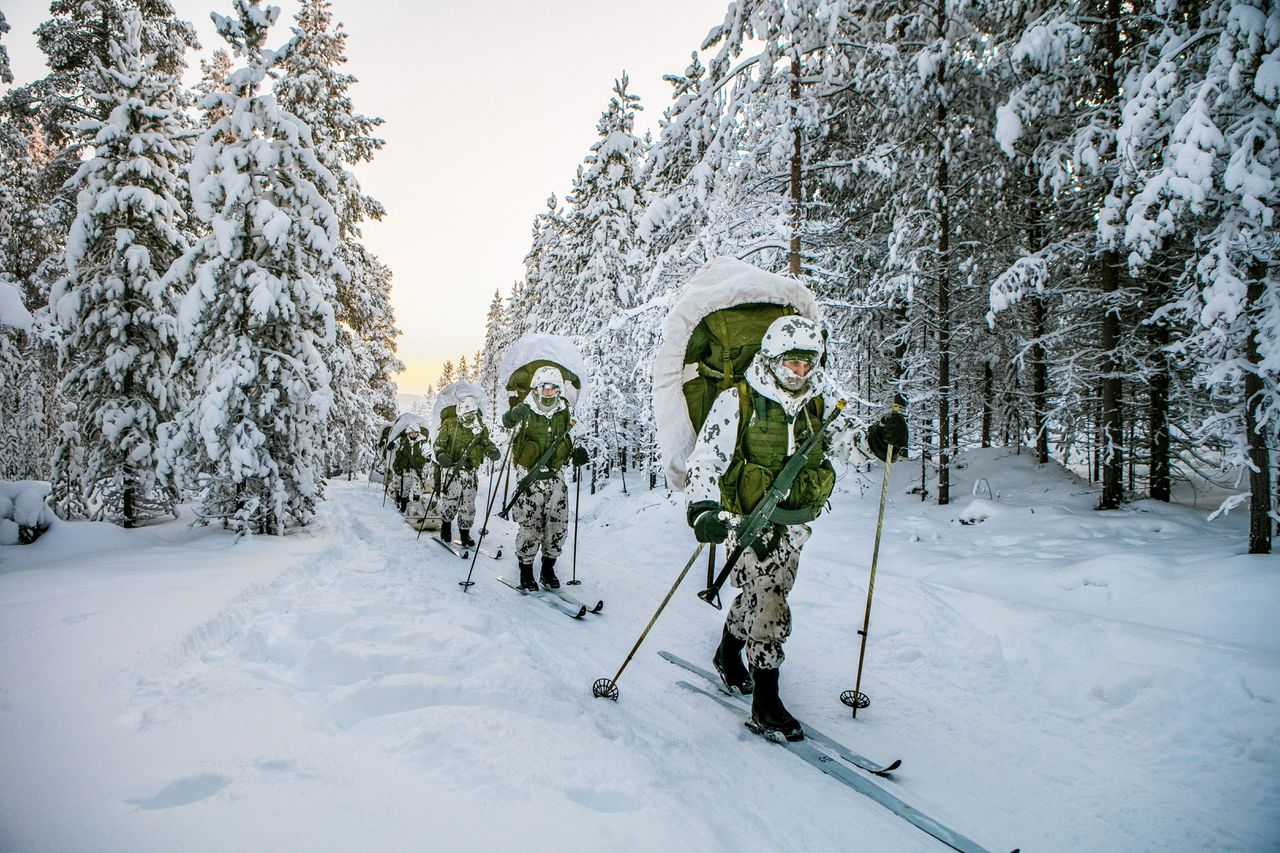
(462, 443)
(750, 432)
(411, 457)
(542, 510)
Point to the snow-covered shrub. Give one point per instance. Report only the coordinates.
(24, 513)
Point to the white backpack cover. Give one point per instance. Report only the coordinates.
(721, 283)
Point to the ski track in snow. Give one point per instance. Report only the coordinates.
(1051, 687)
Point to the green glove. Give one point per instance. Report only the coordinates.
(891, 430)
(580, 457)
(517, 413)
(444, 460)
(707, 522)
(494, 453)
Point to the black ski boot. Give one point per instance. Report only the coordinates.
(768, 716)
(403, 504)
(728, 662)
(446, 531)
(548, 575)
(526, 578)
(464, 535)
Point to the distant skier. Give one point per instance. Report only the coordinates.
(462, 443)
(407, 465)
(747, 437)
(542, 510)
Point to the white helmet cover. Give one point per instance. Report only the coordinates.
(546, 375)
(466, 406)
(786, 334)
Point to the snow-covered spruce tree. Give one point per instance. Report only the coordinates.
(491, 353)
(115, 308)
(540, 303)
(311, 86)
(259, 315)
(76, 41)
(605, 207)
(1202, 130)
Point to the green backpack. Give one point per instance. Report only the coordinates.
(518, 385)
(722, 346)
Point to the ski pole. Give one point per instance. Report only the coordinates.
(577, 502)
(853, 698)
(484, 526)
(607, 688)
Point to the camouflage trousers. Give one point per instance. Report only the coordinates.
(543, 515)
(759, 614)
(410, 483)
(458, 498)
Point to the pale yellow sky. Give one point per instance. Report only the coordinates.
(489, 108)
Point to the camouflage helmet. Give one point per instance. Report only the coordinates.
(788, 335)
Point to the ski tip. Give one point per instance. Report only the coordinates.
(582, 611)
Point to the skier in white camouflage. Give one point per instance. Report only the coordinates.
(542, 510)
(750, 432)
(462, 443)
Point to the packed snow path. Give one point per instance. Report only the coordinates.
(1051, 677)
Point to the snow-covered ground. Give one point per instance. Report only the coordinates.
(1052, 678)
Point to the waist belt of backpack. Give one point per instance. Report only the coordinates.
(792, 516)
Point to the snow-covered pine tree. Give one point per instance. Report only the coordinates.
(1201, 169)
(369, 336)
(258, 316)
(1078, 63)
(448, 375)
(22, 431)
(6, 73)
(115, 307)
(76, 41)
(214, 72)
(311, 86)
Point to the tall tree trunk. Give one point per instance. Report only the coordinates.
(1259, 455)
(1039, 320)
(1159, 485)
(1112, 416)
(987, 382)
(944, 282)
(797, 198)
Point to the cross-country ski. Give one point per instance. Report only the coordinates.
(810, 732)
